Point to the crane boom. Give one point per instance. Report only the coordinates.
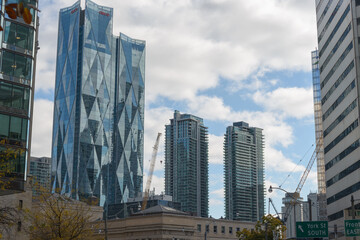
(151, 171)
(304, 176)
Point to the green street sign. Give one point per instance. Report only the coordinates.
(352, 228)
(312, 229)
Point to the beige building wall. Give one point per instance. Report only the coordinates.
(170, 226)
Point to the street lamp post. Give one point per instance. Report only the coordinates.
(290, 195)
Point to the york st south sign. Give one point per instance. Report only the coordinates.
(312, 229)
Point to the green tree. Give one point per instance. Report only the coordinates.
(58, 217)
(269, 225)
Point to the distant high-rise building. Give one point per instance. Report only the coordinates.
(321, 198)
(40, 170)
(97, 146)
(244, 172)
(186, 163)
(338, 43)
(18, 47)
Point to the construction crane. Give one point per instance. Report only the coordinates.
(272, 204)
(151, 171)
(303, 178)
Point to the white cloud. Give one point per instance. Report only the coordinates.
(294, 102)
(215, 202)
(42, 128)
(216, 149)
(219, 193)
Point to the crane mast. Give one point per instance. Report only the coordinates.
(151, 171)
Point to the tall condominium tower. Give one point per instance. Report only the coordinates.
(18, 47)
(244, 172)
(338, 40)
(186, 163)
(97, 147)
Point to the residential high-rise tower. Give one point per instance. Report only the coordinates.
(97, 147)
(338, 43)
(186, 163)
(244, 172)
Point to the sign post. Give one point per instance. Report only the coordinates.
(352, 228)
(314, 229)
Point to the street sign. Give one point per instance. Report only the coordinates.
(352, 228)
(312, 229)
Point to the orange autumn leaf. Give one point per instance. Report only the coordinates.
(10, 12)
(27, 16)
(20, 9)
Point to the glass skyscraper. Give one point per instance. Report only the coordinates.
(244, 172)
(18, 47)
(97, 147)
(186, 163)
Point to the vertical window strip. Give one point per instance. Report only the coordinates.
(341, 117)
(342, 155)
(336, 47)
(339, 100)
(330, 20)
(324, 12)
(343, 174)
(337, 64)
(341, 136)
(347, 10)
(338, 82)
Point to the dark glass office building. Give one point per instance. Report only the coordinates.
(97, 147)
(18, 47)
(186, 163)
(244, 173)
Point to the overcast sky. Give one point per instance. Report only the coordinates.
(222, 60)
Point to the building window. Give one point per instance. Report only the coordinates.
(215, 229)
(222, 229)
(16, 65)
(18, 35)
(20, 204)
(19, 226)
(237, 229)
(357, 2)
(207, 228)
(230, 230)
(199, 227)
(14, 96)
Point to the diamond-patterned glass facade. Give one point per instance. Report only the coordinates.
(99, 108)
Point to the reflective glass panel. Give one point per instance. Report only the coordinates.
(8, 63)
(15, 128)
(4, 125)
(18, 94)
(5, 94)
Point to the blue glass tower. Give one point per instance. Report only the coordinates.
(97, 147)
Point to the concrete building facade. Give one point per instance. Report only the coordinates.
(338, 43)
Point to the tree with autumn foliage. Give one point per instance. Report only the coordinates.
(9, 216)
(269, 225)
(58, 217)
